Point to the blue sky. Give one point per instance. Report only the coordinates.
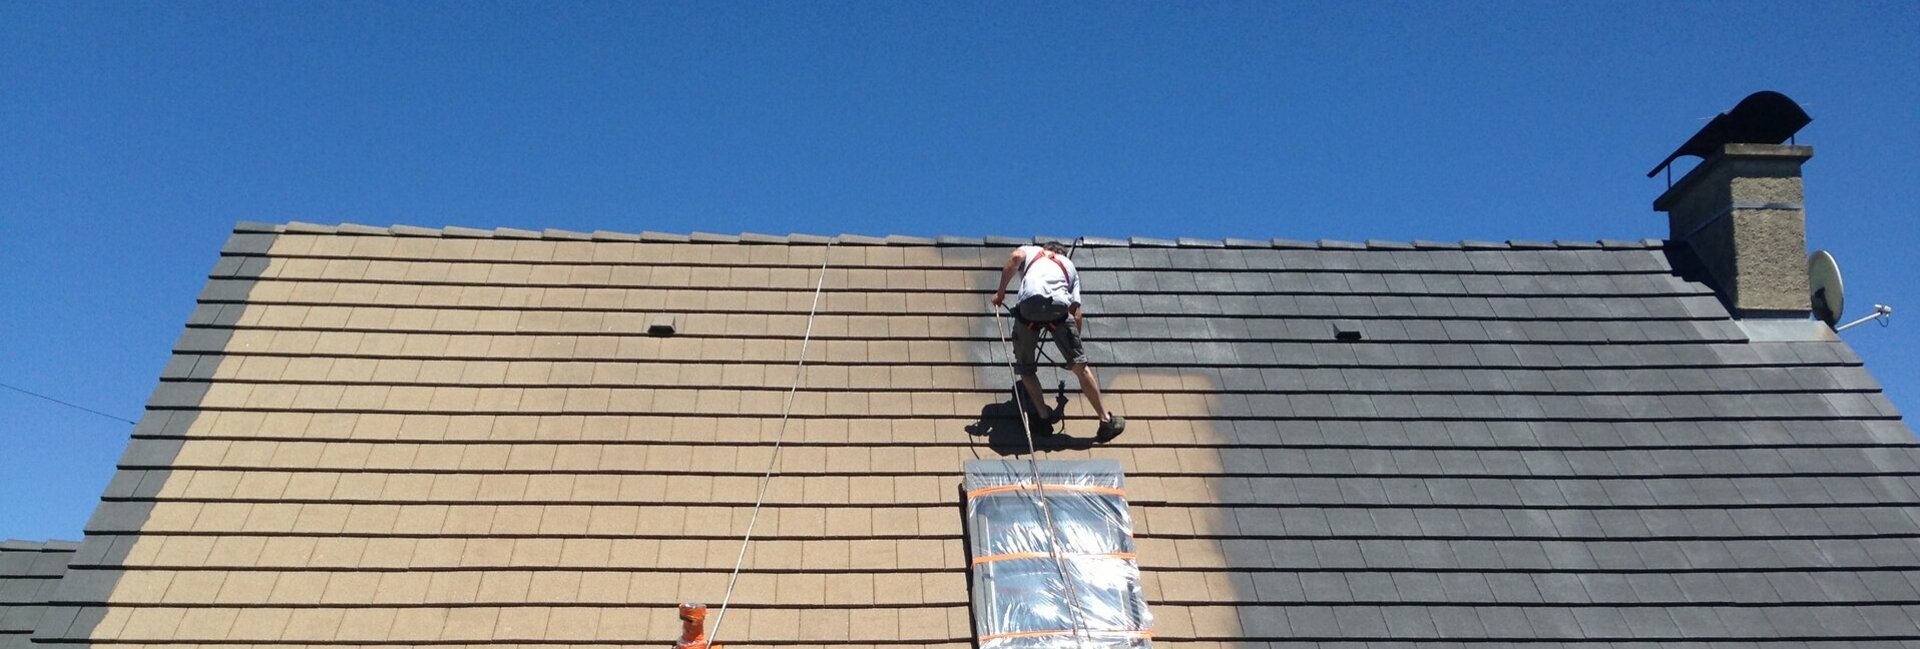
(132, 136)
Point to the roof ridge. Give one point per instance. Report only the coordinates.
(50, 545)
(754, 238)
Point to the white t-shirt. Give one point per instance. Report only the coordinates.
(1043, 277)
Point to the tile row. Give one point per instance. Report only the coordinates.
(788, 523)
(928, 491)
(805, 589)
(478, 644)
(431, 278)
(1500, 625)
(511, 587)
(1439, 325)
(357, 384)
(990, 405)
(623, 625)
(911, 377)
(205, 467)
(301, 228)
(915, 556)
(905, 557)
(1484, 258)
(338, 304)
(990, 353)
(1350, 623)
(907, 433)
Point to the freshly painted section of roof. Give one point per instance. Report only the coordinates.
(392, 436)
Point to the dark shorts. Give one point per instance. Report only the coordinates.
(1026, 345)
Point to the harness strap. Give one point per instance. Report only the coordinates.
(1049, 255)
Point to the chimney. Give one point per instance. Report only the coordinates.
(1740, 212)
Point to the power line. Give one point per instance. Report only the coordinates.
(74, 406)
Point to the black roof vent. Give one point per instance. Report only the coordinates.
(1764, 117)
(1346, 331)
(663, 324)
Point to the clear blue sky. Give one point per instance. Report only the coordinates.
(132, 135)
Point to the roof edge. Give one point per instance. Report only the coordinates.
(753, 238)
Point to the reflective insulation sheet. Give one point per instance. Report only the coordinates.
(1075, 583)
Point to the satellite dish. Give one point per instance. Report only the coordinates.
(1829, 294)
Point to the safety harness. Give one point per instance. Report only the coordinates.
(1048, 255)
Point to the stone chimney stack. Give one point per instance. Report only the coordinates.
(1741, 212)
(1742, 215)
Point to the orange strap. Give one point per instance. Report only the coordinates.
(1013, 556)
(1131, 633)
(1049, 256)
(987, 491)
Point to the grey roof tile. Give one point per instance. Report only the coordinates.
(1361, 621)
(1459, 623)
(951, 240)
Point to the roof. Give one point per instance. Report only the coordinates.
(29, 572)
(384, 436)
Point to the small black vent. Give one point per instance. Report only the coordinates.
(1346, 331)
(661, 325)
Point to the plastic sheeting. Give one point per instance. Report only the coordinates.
(1024, 597)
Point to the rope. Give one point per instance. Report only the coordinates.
(82, 408)
(1033, 465)
(773, 460)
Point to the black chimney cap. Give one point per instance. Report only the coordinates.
(1764, 117)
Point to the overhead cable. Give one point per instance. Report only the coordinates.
(74, 406)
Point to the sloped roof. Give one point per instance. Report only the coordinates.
(29, 571)
(384, 436)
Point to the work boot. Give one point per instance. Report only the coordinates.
(1112, 427)
(1041, 424)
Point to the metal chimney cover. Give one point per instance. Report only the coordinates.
(1764, 117)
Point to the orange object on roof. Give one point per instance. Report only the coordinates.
(693, 628)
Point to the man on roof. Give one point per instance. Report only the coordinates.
(1049, 302)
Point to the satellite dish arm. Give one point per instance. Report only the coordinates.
(1881, 312)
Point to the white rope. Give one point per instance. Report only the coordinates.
(773, 460)
(1040, 494)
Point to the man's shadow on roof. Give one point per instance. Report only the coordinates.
(999, 423)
